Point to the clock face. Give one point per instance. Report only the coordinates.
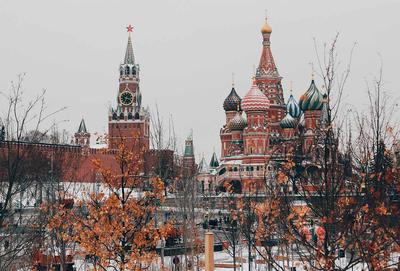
(126, 98)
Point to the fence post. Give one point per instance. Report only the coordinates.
(209, 251)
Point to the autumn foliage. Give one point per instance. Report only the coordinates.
(117, 227)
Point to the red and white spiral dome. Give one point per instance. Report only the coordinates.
(255, 100)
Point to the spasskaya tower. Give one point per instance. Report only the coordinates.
(129, 121)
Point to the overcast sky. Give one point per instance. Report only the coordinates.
(187, 51)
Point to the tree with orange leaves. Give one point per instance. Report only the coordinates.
(117, 228)
(336, 204)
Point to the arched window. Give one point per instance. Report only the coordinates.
(121, 72)
(127, 70)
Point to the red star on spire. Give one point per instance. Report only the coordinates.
(129, 28)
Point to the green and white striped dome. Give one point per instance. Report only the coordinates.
(312, 99)
(293, 108)
(288, 122)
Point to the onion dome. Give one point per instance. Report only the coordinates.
(255, 100)
(232, 102)
(238, 122)
(288, 122)
(312, 99)
(266, 29)
(293, 108)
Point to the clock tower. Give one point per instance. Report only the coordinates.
(128, 122)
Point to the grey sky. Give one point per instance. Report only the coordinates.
(187, 51)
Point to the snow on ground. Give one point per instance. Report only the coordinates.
(225, 259)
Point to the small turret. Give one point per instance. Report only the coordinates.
(189, 163)
(82, 136)
(214, 161)
(203, 167)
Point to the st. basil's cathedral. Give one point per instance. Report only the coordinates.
(261, 130)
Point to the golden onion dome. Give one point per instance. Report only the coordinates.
(266, 29)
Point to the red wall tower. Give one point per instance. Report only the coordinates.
(129, 122)
(82, 136)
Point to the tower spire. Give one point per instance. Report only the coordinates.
(82, 127)
(129, 56)
(268, 78)
(267, 64)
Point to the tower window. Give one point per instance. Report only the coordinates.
(127, 70)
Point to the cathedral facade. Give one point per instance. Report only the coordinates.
(261, 129)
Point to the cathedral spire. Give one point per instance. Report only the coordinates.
(268, 78)
(267, 65)
(129, 57)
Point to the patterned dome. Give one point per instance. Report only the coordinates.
(255, 100)
(288, 122)
(232, 102)
(293, 108)
(312, 99)
(237, 123)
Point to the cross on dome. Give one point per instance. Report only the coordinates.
(312, 70)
